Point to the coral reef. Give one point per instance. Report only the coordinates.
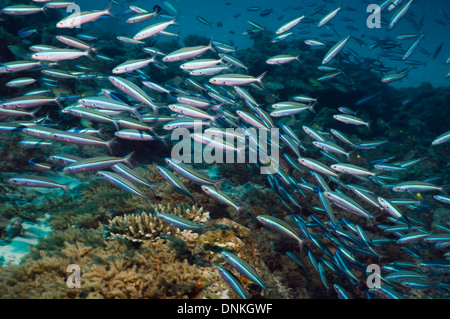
(146, 226)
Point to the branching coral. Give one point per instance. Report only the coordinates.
(146, 226)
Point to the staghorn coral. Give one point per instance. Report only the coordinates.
(155, 271)
(146, 226)
(113, 271)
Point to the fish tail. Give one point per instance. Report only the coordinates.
(218, 107)
(163, 139)
(101, 130)
(259, 79)
(349, 153)
(89, 51)
(106, 11)
(210, 45)
(33, 114)
(137, 114)
(44, 10)
(300, 245)
(108, 144)
(66, 191)
(127, 159)
(116, 125)
(219, 181)
(57, 97)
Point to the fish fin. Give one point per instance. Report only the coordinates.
(57, 97)
(66, 191)
(33, 114)
(443, 191)
(219, 182)
(88, 53)
(107, 10)
(163, 139)
(210, 45)
(259, 79)
(101, 131)
(241, 208)
(108, 144)
(127, 160)
(137, 114)
(116, 124)
(44, 8)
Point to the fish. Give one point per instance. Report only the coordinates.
(350, 119)
(314, 43)
(122, 183)
(282, 59)
(282, 227)
(78, 18)
(25, 102)
(187, 53)
(392, 210)
(105, 103)
(200, 64)
(180, 222)
(331, 147)
(55, 55)
(441, 139)
(237, 79)
(289, 25)
(334, 50)
(352, 169)
(204, 21)
(82, 139)
(20, 82)
(243, 268)
(412, 48)
(400, 13)
(221, 197)
(17, 66)
(192, 111)
(90, 114)
(417, 186)
(38, 181)
(153, 29)
(328, 17)
(143, 16)
(132, 65)
(173, 180)
(96, 163)
(231, 280)
(393, 77)
(21, 9)
(134, 91)
(281, 37)
(190, 173)
(347, 204)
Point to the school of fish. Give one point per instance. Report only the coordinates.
(340, 238)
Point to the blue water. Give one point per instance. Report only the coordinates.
(434, 13)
